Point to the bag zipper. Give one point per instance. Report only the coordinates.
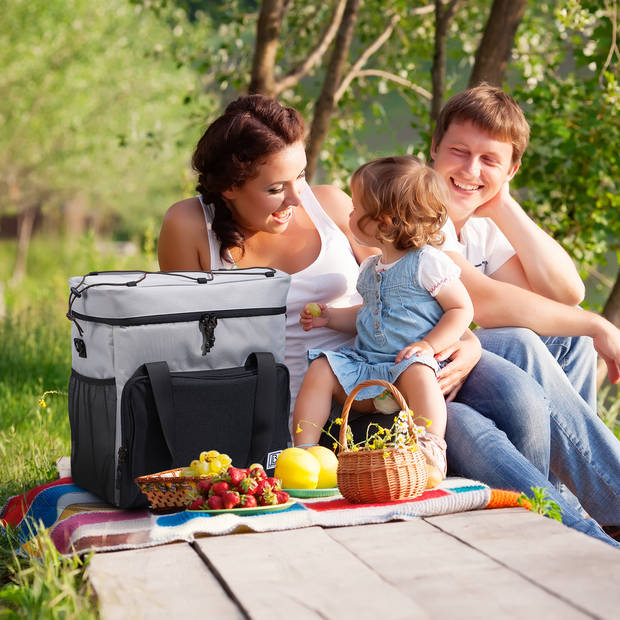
(181, 317)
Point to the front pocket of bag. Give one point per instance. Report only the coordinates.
(92, 416)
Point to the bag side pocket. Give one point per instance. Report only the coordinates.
(92, 416)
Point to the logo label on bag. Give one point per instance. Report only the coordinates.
(272, 457)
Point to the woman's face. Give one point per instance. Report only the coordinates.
(265, 203)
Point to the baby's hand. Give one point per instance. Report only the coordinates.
(422, 347)
(314, 315)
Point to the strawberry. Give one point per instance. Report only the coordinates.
(204, 485)
(257, 472)
(247, 501)
(196, 504)
(230, 499)
(248, 486)
(268, 498)
(215, 502)
(219, 488)
(275, 483)
(281, 496)
(236, 475)
(262, 486)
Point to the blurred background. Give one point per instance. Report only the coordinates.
(101, 104)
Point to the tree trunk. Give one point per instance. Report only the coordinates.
(267, 33)
(497, 41)
(24, 233)
(326, 103)
(438, 70)
(611, 312)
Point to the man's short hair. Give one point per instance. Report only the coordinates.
(490, 109)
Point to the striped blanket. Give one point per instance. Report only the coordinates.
(78, 521)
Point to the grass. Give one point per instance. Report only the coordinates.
(34, 426)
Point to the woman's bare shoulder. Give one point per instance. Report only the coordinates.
(183, 240)
(335, 203)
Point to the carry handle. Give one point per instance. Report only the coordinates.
(161, 386)
(400, 401)
(265, 401)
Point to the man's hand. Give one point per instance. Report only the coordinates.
(490, 206)
(463, 356)
(607, 344)
(421, 347)
(309, 319)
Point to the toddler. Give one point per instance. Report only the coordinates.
(414, 305)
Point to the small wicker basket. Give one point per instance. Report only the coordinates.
(371, 476)
(168, 489)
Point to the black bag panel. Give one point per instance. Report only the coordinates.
(92, 416)
(213, 410)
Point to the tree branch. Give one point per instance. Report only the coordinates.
(366, 54)
(268, 28)
(316, 54)
(392, 77)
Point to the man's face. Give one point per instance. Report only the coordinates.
(474, 165)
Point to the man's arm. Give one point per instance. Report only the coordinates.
(501, 304)
(541, 264)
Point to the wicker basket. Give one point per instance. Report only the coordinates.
(370, 476)
(167, 489)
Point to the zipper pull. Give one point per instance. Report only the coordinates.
(207, 325)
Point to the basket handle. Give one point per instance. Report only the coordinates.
(400, 400)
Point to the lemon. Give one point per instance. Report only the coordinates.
(329, 465)
(297, 469)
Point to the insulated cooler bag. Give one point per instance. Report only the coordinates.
(167, 364)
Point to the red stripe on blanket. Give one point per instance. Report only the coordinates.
(17, 506)
(344, 504)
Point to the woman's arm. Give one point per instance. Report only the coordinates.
(183, 242)
(338, 206)
(501, 304)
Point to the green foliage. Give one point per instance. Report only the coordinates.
(569, 180)
(93, 105)
(50, 587)
(540, 504)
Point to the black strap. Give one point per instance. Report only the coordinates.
(264, 404)
(161, 385)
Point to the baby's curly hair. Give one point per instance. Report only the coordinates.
(406, 197)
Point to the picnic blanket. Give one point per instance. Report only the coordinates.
(78, 521)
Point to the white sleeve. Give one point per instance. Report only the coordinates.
(436, 269)
(498, 249)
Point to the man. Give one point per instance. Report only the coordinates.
(518, 276)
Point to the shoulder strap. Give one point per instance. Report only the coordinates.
(264, 404)
(161, 385)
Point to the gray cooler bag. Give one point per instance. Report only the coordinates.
(167, 364)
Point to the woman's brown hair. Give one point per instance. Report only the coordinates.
(233, 147)
(407, 199)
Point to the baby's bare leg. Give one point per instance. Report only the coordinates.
(314, 402)
(421, 391)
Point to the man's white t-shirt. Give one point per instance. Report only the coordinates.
(482, 244)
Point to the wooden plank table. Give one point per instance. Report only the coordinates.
(506, 563)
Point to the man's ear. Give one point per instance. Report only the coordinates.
(433, 149)
(514, 171)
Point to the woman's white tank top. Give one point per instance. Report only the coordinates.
(330, 279)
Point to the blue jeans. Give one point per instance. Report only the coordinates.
(583, 452)
(478, 449)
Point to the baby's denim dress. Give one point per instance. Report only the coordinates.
(397, 311)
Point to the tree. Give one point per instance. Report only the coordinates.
(91, 106)
(497, 40)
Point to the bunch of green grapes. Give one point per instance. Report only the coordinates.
(208, 464)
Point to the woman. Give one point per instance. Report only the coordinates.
(255, 208)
